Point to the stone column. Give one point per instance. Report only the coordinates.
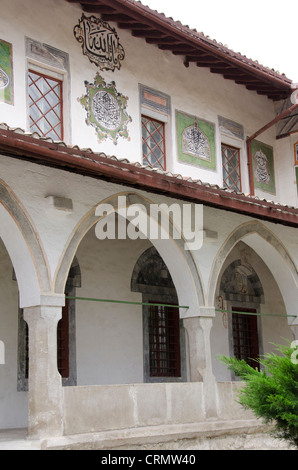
(45, 383)
(198, 330)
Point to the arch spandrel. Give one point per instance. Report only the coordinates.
(179, 261)
(274, 254)
(23, 246)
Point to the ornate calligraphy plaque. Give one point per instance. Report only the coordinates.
(6, 75)
(262, 172)
(106, 109)
(263, 166)
(100, 42)
(195, 141)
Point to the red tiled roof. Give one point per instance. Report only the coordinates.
(31, 147)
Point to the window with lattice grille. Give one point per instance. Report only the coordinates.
(231, 167)
(164, 341)
(153, 143)
(45, 105)
(245, 335)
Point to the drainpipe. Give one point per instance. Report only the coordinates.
(287, 112)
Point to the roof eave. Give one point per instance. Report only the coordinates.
(97, 165)
(229, 64)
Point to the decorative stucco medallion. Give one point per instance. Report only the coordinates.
(106, 109)
(100, 42)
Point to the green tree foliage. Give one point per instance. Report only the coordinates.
(272, 392)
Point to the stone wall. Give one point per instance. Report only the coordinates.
(105, 408)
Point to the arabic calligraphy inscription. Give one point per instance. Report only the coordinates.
(100, 42)
(262, 172)
(195, 142)
(106, 110)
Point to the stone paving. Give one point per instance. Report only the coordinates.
(15, 439)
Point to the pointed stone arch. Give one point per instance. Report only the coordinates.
(240, 282)
(24, 248)
(274, 254)
(180, 262)
(151, 275)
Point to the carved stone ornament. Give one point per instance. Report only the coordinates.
(100, 42)
(106, 109)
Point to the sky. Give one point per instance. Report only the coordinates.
(262, 30)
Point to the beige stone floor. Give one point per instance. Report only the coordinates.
(15, 439)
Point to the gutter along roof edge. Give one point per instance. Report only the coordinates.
(31, 147)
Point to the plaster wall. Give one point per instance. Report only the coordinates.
(109, 335)
(192, 90)
(102, 408)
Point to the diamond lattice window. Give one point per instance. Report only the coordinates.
(153, 141)
(45, 105)
(231, 167)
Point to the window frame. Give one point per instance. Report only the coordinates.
(246, 336)
(164, 341)
(156, 105)
(59, 81)
(144, 158)
(54, 63)
(238, 149)
(169, 299)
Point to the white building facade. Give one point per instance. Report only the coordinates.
(107, 109)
